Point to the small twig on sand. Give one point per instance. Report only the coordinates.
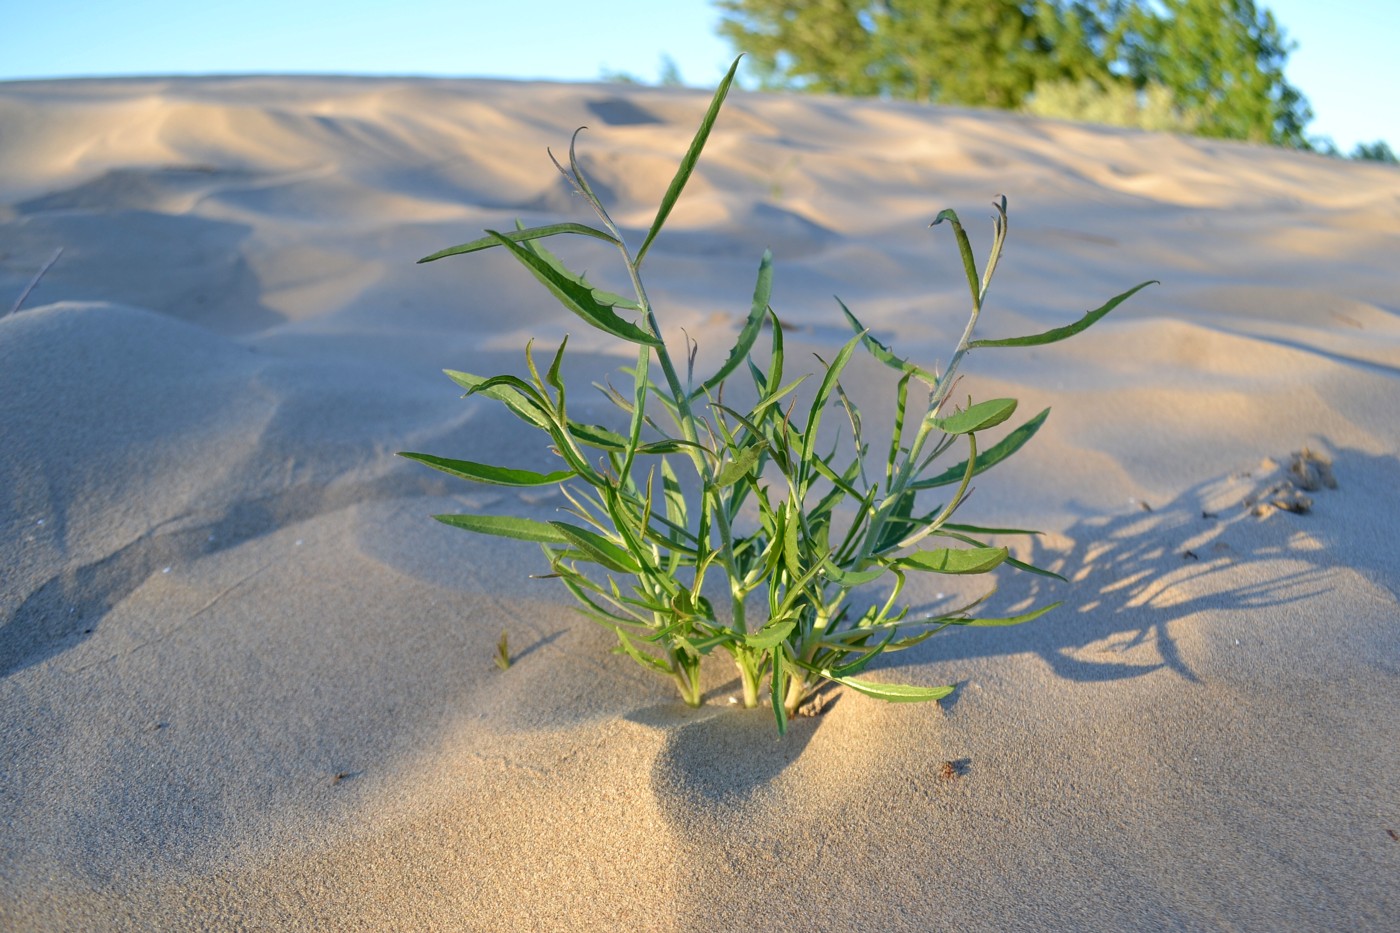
(35, 281)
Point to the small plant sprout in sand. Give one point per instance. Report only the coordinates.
(687, 488)
(502, 656)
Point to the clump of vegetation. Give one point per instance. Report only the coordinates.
(693, 488)
(1119, 104)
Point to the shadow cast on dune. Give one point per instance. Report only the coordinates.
(68, 608)
(130, 237)
(1133, 577)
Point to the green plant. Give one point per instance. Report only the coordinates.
(1116, 104)
(796, 533)
(502, 656)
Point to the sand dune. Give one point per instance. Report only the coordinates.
(247, 683)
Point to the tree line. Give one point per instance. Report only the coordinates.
(1208, 67)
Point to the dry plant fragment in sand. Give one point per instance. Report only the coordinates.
(1307, 472)
(762, 507)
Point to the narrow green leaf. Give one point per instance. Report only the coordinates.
(505, 526)
(954, 560)
(523, 407)
(792, 552)
(645, 660)
(676, 509)
(523, 389)
(552, 377)
(977, 417)
(868, 653)
(748, 334)
(988, 458)
(485, 473)
(1032, 568)
(893, 693)
(824, 392)
(595, 436)
(1069, 330)
(901, 403)
(980, 530)
(668, 446)
(775, 361)
(1009, 620)
(770, 635)
(579, 180)
(577, 295)
(778, 688)
(687, 166)
(742, 464)
(899, 522)
(603, 296)
(532, 233)
(599, 549)
(952, 531)
(849, 579)
(999, 229)
(965, 250)
(881, 352)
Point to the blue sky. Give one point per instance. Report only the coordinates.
(1346, 62)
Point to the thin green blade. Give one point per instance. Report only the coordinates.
(577, 295)
(977, 417)
(982, 530)
(532, 233)
(850, 579)
(778, 688)
(601, 295)
(770, 635)
(954, 560)
(521, 405)
(748, 334)
(1010, 620)
(687, 166)
(486, 473)
(824, 392)
(965, 250)
(597, 436)
(990, 457)
(892, 693)
(881, 352)
(598, 549)
(1069, 330)
(742, 464)
(505, 526)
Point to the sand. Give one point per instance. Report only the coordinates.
(247, 683)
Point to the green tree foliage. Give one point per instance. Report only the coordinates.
(1378, 151)
(1116, 103)
(1216, 64)
(975, 52)
(826, 46)
(1223, 61)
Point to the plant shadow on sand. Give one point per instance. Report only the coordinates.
(1132, 578)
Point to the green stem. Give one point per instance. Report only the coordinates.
(687, 420)
(796, 692)
(749, 675)
(686, 671)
